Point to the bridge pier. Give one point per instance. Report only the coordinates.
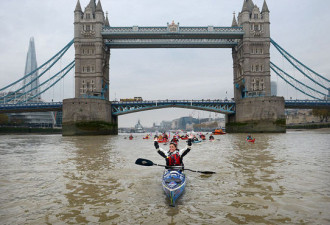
(87, 116)
(257, 115)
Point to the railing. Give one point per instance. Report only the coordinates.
(220, 106)
(119, 107)
(209, 29)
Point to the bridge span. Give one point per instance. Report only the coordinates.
(121, 108)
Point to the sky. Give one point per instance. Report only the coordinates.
(299, 26)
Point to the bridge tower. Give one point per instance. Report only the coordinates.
(90, 111)
(256, 109)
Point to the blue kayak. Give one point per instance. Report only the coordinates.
(174, 182)
(196, 141)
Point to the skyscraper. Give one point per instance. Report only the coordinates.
(273, 88)
(32, 81)
(32, 119)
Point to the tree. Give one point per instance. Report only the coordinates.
(324, 114)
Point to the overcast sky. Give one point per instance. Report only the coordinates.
(300, 26)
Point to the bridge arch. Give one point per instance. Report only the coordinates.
(224, 107)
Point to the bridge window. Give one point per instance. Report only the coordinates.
(255, 16)
(88, 16)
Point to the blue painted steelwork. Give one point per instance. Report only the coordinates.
(171, 43)
(68, 68)
(121, 108)
(31, 107)
(307, 104)
(71, 65)
(60, 54)
(286, 54)
(275, 68)
(165, 37)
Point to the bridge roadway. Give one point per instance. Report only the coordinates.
(121, 108)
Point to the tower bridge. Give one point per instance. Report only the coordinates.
(248, 36)
(253, 108)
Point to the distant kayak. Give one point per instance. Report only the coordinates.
(251, 140)
(218, 132)
(196, 141)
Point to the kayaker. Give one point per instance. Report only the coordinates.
(249, 137)
(173, 156)
(211, 137)
(175, 140)
(195, 138)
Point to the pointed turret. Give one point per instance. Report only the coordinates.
(265, 7)
(78, 7)
(77, 12)
(106, 23)
(248, 5)
(234, 23)
(245, 6)
(99, 15)
(91, 5)
(99, 7)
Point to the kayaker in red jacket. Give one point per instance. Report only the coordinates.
(173, 156)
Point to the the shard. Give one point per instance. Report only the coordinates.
(31, 81)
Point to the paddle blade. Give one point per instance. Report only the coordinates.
(144, 162)
(207, 172)
(204, 172)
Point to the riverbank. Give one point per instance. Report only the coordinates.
(29, 130)
(308, 126)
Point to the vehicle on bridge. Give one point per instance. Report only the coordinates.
(135, 99)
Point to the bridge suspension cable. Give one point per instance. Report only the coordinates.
(288, 57)
(67, 69)
(56, 57)
(278, 71)
(71, 65)
(31, 73)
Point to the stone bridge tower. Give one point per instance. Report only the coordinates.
(256, 109)
(89, 112)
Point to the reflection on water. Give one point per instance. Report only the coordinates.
(255, 169)
(50, 179)
(89, 184)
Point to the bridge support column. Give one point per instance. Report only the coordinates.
(257, 115)
(87, 116)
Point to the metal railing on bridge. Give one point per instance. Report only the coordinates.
(125, 107)
(307, 104)
(31, 107)
(220, 106)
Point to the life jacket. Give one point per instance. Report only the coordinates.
(174, 160)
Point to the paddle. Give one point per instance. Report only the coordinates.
(146, 162)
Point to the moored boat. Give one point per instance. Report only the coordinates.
(174, 182)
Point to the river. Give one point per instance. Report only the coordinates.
(280, 179)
